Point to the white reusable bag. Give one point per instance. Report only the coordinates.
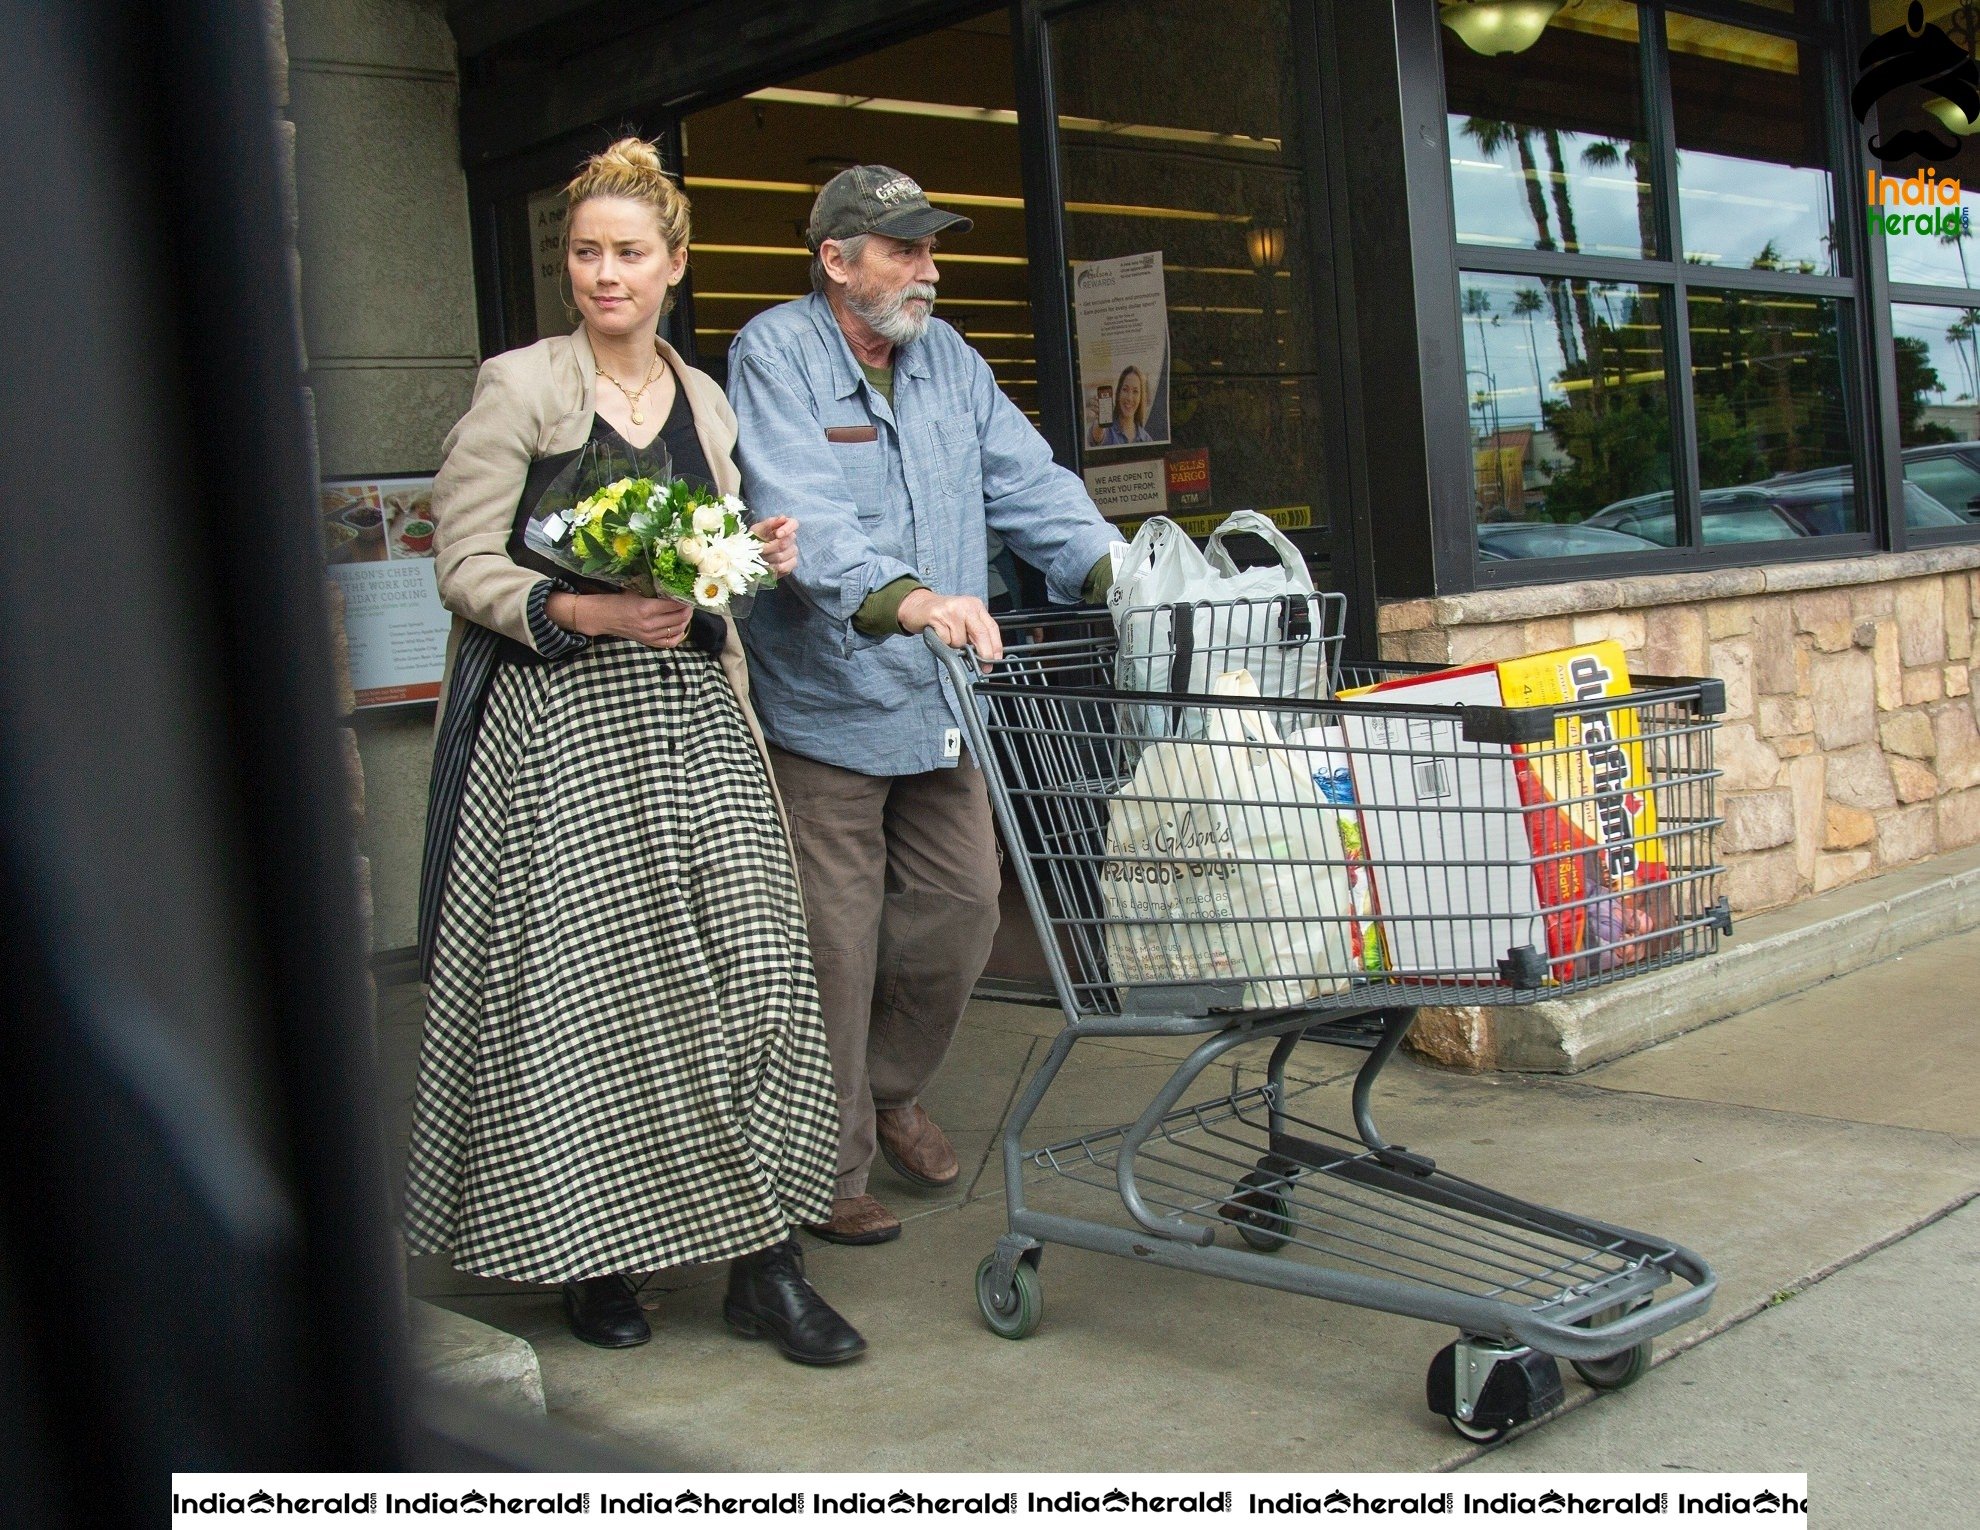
(1163, 648)
(1212, 834)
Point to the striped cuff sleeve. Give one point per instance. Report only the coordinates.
(552, 641)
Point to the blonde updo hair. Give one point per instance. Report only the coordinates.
(630, 168)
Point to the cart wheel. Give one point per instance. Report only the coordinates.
(1482, 1434)
(1614, 1372)
(1521, 1385)
(1012, 1313)
(1261, 1211)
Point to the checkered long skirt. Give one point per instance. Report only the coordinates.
(624, 1066)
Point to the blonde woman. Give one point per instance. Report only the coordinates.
(1127, 428)
(624, 1067)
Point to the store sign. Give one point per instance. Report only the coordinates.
(1122, 489)
(1121, 312)
(378, 540)
(1189, 479)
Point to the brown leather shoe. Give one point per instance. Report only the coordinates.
(915, 1147)
(858, 1219)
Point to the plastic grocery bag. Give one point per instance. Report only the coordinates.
(1224, 864)
(1176, 627)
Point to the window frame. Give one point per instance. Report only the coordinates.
(1827, 36)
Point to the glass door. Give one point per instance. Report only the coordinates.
(940, 107)
(1183, 172)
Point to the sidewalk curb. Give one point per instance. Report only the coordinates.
(468, 1356)
(1772, 956)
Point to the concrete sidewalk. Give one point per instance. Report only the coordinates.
(1783, 1145)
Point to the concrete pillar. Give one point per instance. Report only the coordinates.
(388, 316)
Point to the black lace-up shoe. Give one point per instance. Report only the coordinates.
(769, 1297)
(604, 1311)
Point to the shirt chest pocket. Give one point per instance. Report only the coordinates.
(956, 457)
(864, 468)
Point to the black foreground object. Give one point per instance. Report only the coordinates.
(604, 1311)
(769, 1297)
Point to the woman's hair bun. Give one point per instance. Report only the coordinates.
(631, 168)
(634, 154)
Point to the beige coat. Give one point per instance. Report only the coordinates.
(532, 403)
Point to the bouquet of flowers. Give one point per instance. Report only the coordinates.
(678, 538)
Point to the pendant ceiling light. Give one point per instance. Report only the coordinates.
(1266, 245)
(1500, 26)
(1955, 120)
(1963, 27)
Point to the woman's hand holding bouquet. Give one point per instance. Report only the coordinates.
(681, 540)
(669, 548)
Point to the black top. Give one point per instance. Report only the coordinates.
(687, 460)
(676, 434)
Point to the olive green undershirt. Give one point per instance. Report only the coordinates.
(879, 615)
(882, 379)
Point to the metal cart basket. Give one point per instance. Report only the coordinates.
(1203, 856)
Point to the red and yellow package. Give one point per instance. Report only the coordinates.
(1590, 818)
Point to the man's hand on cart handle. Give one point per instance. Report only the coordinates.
(961, 621)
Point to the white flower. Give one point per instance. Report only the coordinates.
(692, 550)
(712, 593)
(715, 561)
(736, 508)
(709, 520)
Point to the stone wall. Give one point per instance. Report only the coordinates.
(1849, 743)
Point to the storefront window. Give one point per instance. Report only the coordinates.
(1583, 430)
(1570, 408)
(1198, 371)
(1938, 373)
(1934, 267)
(1773, 436)
(1551, 155)
(1753, 187)
(1937, 260)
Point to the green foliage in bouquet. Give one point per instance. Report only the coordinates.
(679, 539)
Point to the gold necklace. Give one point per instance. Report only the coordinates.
(632, 398)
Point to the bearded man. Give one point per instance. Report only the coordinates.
(879, 430)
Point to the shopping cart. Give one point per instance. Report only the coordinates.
(1188, 877)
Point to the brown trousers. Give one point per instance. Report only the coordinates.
(900, 896)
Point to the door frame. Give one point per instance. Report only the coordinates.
(1342, 482)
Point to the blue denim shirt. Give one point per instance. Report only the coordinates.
(951, 457)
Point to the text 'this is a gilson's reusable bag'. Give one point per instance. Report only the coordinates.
(1224, 864)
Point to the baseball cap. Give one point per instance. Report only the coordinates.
(876, 199)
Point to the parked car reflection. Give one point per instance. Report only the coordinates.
(1799, 505)
(1501, 540)
(1949, 472)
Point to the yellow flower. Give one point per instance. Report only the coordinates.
(624, 545)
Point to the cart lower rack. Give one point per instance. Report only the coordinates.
(1271, 870)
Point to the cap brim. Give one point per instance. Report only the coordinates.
(920, 222)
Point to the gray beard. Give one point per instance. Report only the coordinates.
(888, 316)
